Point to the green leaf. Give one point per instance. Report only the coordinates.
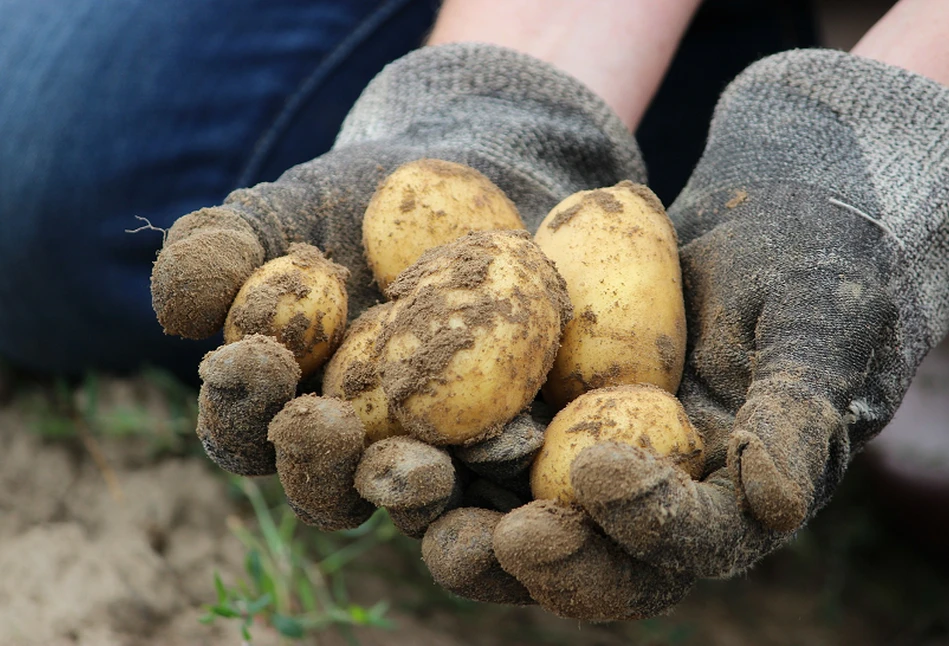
(305, 594)
(378, 610)
(219, 588)
(288, 525)
(222, 610)
(254, 567)
(287, 626)
(256, 606)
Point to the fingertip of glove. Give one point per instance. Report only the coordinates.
(574, 571)
(541, 532)
(775, 500)
(402, 472)
(199, 271)
(319, 442)
(244, 385)
(458, 550)
(614, 472)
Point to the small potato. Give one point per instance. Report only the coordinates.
(638, 415)
(300, 299)
(425, 204)
(617, 251)
(475, 326)
(352, 374)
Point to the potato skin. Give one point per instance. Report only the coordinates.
(427, 203)
(352, 374)
(474, 329)
(300, 299)
(618, 253)
(639, 415)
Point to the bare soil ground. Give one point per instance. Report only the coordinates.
(110, 535)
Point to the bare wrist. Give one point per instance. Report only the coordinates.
(620, 49)
(913, 35)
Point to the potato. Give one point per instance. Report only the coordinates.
(300, 299)
(475, 326)
(618, 252)
(425, 204)
(638, 415)
(352, 374)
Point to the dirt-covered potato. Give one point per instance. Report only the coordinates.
(475, 326)
(638, 415)
(618, 253)
(427, 203)
(352, 374)
(300, 299)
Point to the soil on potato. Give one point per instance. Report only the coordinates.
(112, 543)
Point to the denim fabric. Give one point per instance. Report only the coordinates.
(114, 109)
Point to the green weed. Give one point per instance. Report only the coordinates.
(154, 407)
(295, 586)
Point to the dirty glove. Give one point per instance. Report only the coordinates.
(535, 132)
(815, 257)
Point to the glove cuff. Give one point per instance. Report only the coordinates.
(537, 132)
(872, 136)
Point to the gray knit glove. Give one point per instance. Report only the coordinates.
(535, 132)
(815, 252)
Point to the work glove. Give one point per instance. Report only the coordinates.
(814, 240)
(537, 133)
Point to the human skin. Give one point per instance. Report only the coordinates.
(620, 49)
(913, 35)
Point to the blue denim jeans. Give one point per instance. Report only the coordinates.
(116, 110)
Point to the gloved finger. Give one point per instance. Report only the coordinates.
(787, 443)
(457, 548)
(205, 259)
(788, 352)
(244, 384)
(573, 570)
(660, 515)
(790, 445)
(210, 253)
(414, 481)
(319, 442)
(506, 455)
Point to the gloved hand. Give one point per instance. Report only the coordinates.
(535, 132)
(815, 257)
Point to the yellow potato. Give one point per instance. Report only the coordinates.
(300, 299)
(618, 253)
(638, 415)
(474, 329)
(352, 374)
(425, 204)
